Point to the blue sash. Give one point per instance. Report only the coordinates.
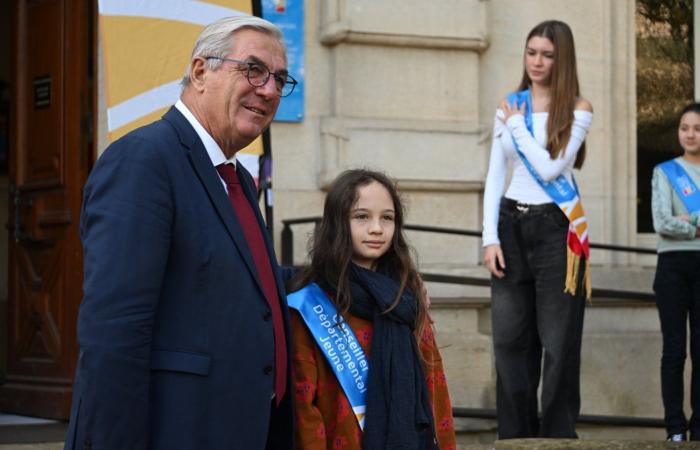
(337, 342)
(559, 189)
(565, 195)
(683, 185)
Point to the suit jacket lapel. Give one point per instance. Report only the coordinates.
(212, 183)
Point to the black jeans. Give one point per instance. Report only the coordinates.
(677, 287)
(532, 315)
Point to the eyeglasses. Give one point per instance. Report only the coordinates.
(258, 75)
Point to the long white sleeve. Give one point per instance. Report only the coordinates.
(522, 186)
(547, 168)
(495, 184)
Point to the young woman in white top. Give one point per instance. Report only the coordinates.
(525, 241)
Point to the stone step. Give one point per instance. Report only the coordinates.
(582, 444)
(514, 444)
(625, 278)
(473, 434)
(42, 446)
(28, 431)
(480, 434)
(621, 339)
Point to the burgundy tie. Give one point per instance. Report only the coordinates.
(256, 244)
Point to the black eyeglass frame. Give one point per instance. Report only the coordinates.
(250, 65)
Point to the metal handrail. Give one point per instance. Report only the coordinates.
(474, 233)
(287, 234)
(598, 293)
(288, 237)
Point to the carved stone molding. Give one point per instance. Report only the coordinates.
(444, 24)
(422, 155)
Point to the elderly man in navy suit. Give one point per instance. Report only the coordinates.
(183, 326)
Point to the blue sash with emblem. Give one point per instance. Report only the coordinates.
(559, 189)
(337, 342)
(566, 197)
(683, 185)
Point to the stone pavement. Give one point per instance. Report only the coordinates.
(513, 444)
(583, 444)
(59, 446)
(30, 433)
(44, 446)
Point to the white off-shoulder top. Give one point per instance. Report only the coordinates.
(522, 186)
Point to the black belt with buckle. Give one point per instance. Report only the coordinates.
(526, 208)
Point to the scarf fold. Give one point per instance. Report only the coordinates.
(399, 413)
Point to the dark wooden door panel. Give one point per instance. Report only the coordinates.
(53, 102)
(46, 54)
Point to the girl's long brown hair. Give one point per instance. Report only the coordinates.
(564, 87)
(331, 248)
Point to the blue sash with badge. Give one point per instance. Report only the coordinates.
(559, 189)
(566, 197)
(337, 342)
(683, 185)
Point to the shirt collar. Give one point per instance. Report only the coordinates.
(213, 150)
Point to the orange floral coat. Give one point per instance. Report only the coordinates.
(325, 419)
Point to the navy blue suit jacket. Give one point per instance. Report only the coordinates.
(176, 340)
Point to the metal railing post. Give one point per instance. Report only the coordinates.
(287, 245)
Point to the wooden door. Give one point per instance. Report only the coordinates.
(51, 150)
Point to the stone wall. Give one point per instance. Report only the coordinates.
(411, 88)
(391, 85)
(570, 444)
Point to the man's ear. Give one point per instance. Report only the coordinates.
(198, 73)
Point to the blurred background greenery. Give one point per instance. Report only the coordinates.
(664, 86)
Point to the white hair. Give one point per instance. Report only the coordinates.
(218, 37)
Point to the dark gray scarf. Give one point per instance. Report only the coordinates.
(399, 414)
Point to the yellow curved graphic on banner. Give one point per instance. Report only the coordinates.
(146, 46)
(143, 53)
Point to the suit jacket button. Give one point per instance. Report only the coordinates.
(267, 370)
(267, 316)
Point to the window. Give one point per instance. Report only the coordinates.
(664, 86)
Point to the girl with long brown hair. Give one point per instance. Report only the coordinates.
(675, 207)
(535, 240)
(367, 370)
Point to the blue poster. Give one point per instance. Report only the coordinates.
(288, 15)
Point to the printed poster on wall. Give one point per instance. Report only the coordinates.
(288, 15)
